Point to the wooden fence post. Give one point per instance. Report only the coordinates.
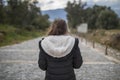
(106, 50)
(93, 44)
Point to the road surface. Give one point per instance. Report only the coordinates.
(19, 62)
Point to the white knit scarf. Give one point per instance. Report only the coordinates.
(58, 46)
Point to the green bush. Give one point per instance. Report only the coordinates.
(11, 34)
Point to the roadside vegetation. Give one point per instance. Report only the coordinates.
(11, 35)
(21, 20)
(109, 38)
(103, 22)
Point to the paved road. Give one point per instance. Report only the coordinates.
(19, 62)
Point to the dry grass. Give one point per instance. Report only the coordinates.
(105, 37)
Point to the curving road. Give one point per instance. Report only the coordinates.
(19, 62)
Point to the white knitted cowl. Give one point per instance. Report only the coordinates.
(58, 46)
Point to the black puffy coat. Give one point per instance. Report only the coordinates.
(60, 68)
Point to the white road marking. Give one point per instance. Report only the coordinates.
(20, 50)
(98, 63)
(17, 61)
(23, 61)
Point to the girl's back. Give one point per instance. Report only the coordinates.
(59, 53)
(58, 56)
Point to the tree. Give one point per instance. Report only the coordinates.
(92, 15)
(97, 16)
(118, 22)
(75, 13)
(90, 18)
(22, 14)
(2, 12)
(107, 19)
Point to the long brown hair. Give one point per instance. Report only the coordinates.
(58, 27)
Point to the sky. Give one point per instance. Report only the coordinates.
(57, 4)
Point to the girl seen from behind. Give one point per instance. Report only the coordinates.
(59, 53)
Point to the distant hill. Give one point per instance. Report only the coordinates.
(60, 13)
(57, 13)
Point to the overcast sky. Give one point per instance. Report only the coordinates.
(56, 4)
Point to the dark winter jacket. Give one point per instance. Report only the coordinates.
(59, 56)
